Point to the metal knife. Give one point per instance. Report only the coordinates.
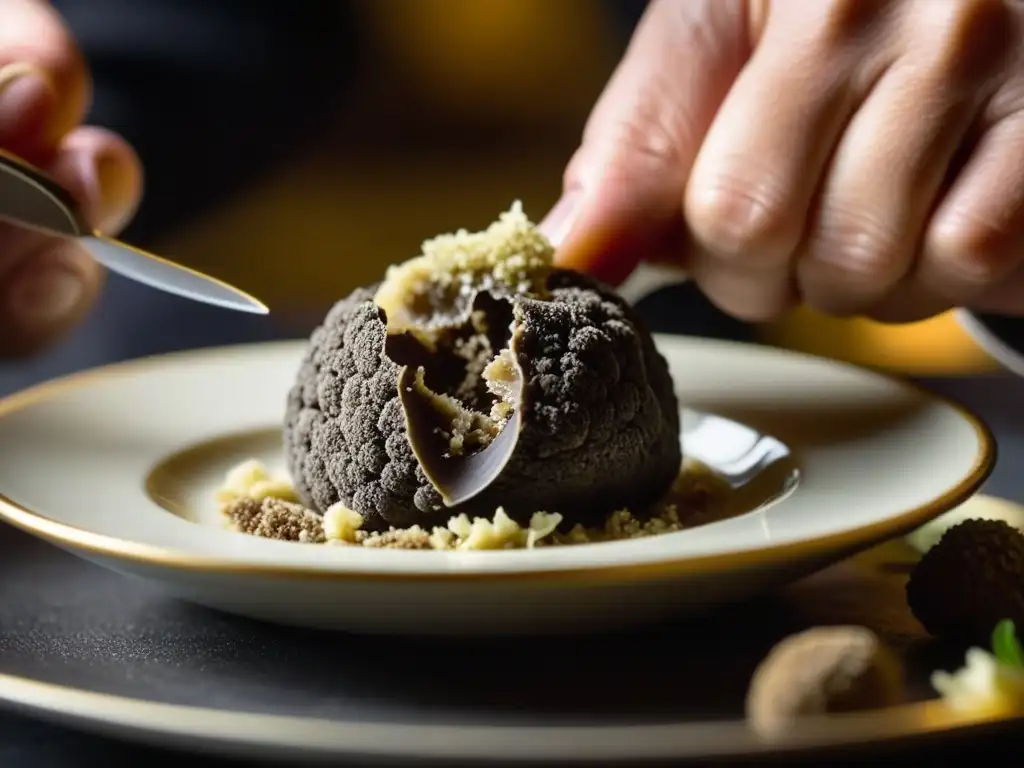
(31, 199)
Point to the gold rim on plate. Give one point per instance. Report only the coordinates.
(112, 547)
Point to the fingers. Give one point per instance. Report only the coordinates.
(44, 85)
(47, 285)
(625, 183)
(757, 172)
(879, 192)
(816, 164)
(45, 294)
(977, 234)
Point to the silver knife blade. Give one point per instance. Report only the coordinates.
(29, 198)
(167, 276)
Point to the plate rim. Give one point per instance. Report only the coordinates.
(239, 732)
(118, 549)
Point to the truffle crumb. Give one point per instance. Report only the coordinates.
(251, 479)
(409, 538)
(281, 519)
(342, 524)
(273, 518)
(511, 256)
(502, 532)
(822, 671)
(969, 581)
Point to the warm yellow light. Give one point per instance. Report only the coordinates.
(938, 346)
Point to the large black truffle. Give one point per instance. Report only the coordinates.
(969, 581)
(578, 416)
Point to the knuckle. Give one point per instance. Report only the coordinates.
(856, 244)
(732, 215)
(974, 248)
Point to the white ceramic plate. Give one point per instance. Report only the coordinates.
(876, 458)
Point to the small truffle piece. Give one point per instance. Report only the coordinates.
(479, 376)
(973, 578)
(824, 670)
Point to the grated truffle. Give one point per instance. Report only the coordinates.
(388, 418)
(969, 581)
(274, 518)
(342, 526)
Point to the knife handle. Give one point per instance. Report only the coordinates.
(31, 199)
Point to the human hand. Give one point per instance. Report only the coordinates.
(860, 156)
(46, 285)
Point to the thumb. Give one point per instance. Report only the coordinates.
(624, 187)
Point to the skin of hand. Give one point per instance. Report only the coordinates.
(864, 157)
(46, 284)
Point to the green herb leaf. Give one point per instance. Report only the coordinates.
(1006, 646)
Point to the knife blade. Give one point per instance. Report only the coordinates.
(31, 199)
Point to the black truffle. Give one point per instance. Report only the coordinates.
(590, 424)
(969, 581)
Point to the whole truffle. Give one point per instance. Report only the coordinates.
(969, 581)
(480, 380)
(825, 670)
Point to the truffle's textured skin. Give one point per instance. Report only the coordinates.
(969, 581)
(601, 421)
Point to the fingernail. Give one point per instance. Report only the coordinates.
(27, 100)
(46, 295)
(115, 190)
(559, 222)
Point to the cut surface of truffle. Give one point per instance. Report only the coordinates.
(479, 376)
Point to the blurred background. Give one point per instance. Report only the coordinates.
(297, 149)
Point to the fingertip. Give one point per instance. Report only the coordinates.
(601, 247)
(102, 172)
(45, 295)
(644, 132)
(616, 225)
(579, 244)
